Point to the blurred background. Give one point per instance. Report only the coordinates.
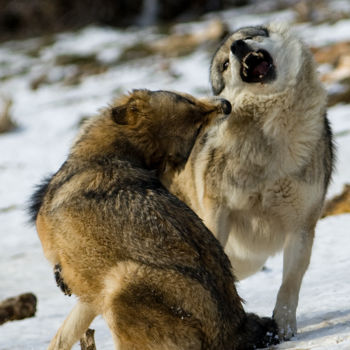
(22, 18)
(25, 18)
(63, 60)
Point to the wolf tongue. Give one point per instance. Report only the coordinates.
(261, 69)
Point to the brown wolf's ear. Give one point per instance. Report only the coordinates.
(119, 115)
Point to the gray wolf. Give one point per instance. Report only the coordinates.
(129, 249)
(258, 180)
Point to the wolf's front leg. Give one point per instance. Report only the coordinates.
(73, 327)
(296, 258)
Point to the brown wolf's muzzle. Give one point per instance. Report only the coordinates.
(226, 106)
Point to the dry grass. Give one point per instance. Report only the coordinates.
(340, 204)
(6, 122)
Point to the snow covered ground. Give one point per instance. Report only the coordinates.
(48, 119)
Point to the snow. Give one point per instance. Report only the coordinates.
(327, 33)
(48, 118)
(323, 313)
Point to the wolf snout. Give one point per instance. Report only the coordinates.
(239, 48)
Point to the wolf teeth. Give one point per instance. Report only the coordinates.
(246, 56)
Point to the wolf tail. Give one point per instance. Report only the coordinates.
(36, 199)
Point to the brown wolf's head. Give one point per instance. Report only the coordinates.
(163, 125)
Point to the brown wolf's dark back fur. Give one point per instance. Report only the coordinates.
(132, 250)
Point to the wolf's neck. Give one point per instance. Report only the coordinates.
(278, 112)
(290, 125)
(102, 139)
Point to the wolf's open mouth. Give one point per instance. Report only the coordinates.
(257, 67)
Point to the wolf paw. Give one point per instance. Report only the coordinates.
(59, 280)
(286, 321)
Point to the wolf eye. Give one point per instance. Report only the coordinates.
(225, 65)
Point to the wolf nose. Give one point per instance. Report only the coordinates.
(238, 46)
(226, 106)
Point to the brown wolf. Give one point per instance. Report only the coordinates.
(258, 180)
(129, 249)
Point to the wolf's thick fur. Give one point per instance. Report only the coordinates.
(259, 179)
(129, 249)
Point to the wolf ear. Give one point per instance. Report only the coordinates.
(119, 115)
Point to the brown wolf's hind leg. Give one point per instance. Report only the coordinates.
(258, 332)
